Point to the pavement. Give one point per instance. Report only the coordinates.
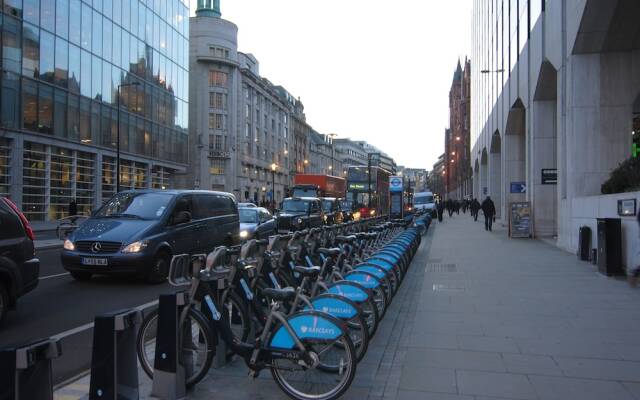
(483, 317)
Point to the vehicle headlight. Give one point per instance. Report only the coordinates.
(136, 247)
(356, 215)
(325, 218)
(299, 221)
(244, 234)
(68, 245)
(372, 212)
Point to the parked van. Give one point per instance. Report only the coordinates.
(137, 232)
(424, 201)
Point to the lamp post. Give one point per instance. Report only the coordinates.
(274, 166)
(135, 83)
(332, 136)
(369, 177)
(304, 166)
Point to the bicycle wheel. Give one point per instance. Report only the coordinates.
(197, 348)
(304, 383)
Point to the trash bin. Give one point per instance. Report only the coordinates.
(610, 246)
(584, 243)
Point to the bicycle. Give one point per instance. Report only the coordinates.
(292, 346)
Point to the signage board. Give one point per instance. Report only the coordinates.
(357, 186)
(518, 187)
(520, 219)
(627, 208)
(395, 184)
(549, 176)
(396, 210)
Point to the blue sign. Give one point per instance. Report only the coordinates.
(395, 184)
(518, 187)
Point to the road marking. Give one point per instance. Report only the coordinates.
(53, 276)
(89, 325)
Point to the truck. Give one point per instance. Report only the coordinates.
(424, 201)
(313, 185)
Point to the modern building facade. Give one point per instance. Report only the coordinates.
(325, 158)
(240, 122)
(555, 95)
(457, 138)
(71, 70)
(436, 177)
(359, 152)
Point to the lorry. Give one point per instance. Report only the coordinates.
(424, 201)
(313, 185)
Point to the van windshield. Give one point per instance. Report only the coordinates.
(135, 205)
(423, 200)
(295, 206)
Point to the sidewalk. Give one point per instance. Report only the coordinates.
(483, 317)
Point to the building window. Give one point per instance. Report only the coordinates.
(218, 52)
(217, 78)
(61, 182)
(217, 166)
(5, 166)
(160, 177)
(217, 121)
(218, 101)
(34, 177)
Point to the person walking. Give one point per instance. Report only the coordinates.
(634, 274)
(440, 210)
(475, 207)
(489, 211)
(73, 208)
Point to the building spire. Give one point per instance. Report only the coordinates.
(208, 8)
(458, 74)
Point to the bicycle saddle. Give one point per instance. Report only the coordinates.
(311, 272)
(329, 252)
(346, 239)
(284, 294)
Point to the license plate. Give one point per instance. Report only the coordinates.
(94, 261)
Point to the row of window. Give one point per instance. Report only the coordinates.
(42, 108)
(71, 175)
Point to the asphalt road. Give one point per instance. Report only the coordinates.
(59, 304)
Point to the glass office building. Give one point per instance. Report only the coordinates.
(68, 67)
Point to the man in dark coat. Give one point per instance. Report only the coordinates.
(474, 206)
(73, 207)
(489, 211)
(440, 210)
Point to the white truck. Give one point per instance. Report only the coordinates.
(424, 201)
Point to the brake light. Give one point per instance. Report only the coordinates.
(23, 219)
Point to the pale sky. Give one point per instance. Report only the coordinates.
(369, 70)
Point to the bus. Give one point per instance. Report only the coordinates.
(358, 190)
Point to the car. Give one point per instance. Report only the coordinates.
(332, 212)
(19, 267)
(137, 232)
(246, 205)
(298, 213)
(256, 223)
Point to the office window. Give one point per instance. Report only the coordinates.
(60, 113)
(11, 44)
(47, 15)
(45, 108)
(218, 100)
(217, 121)
(217, 78)
(217, 166)
(29, 105)
(75, 22)
(31, 11)
(30, 50)
(62, 18)
(85, 35)
(34, 181)
(62, 62)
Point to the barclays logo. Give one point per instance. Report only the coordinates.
(336, 310)
(318, 330)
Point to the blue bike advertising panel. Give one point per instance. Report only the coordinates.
(396, 191)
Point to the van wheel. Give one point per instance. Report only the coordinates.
(4, 301)
(160, 268)
(81, 276)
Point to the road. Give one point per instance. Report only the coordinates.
(60, 304)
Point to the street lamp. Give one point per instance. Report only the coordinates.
(304, 165)
(274, 166)
(135, 83)
(332, 136)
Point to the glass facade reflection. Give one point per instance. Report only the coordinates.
(63, 63)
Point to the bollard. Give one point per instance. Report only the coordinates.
(169, 379)
(26, 370)
(114, 368)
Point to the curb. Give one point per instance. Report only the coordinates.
(49, 246)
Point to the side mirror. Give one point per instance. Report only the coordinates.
(182, 217)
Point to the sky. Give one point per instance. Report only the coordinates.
(371, 70)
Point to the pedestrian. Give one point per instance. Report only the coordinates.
(489, 211)
(440, 210)
(73, 208)
(634, 274)
(456, 204)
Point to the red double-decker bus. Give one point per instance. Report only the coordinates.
(358, 190)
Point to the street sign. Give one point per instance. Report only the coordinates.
(395, 184)
(549, 176)
(518, 187)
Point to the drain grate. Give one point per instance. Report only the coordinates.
(441, 267)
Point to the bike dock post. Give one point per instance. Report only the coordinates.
(169, 376)
(26, 370)
(114, 368)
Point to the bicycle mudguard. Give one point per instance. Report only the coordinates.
(384, 264)
(378, 272)
(335, 305)
(310, 325)
(386, 257)
(351, 290)
(365, 279)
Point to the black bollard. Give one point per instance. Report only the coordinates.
(169, 379)
(26, 371)
(114, 368)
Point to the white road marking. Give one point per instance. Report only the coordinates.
(89, 325)
(53, 276)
